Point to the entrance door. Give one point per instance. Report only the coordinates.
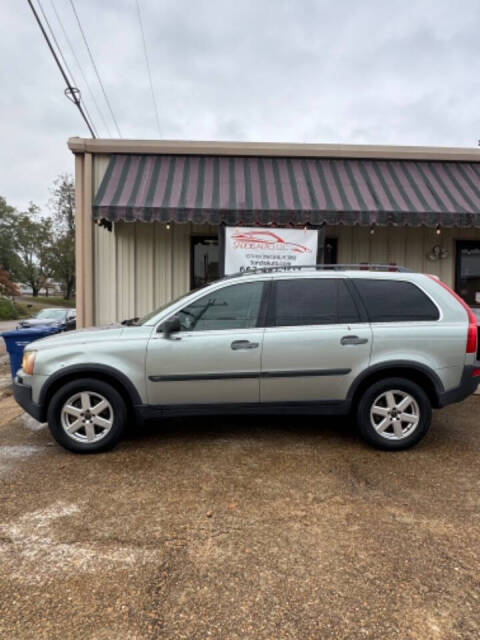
(331, 245)
(203, 260)
(467, 271)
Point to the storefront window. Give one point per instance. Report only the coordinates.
(467, 272)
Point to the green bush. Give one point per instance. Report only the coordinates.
(8, 310)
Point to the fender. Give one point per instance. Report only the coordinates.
(397, 364)
(87, 369)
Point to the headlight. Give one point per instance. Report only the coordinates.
(28, 362)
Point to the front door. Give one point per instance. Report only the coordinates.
(331, 250)
(316, 342)
(216, 356)
(203, 260)
(467, 271)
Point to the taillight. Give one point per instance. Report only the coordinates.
(472, 337)
(471, 346)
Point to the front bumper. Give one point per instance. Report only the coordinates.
(467, 386)
(23, 395)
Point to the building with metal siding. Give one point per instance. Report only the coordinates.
(144, 208)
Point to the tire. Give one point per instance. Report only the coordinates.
(92, 411)
(394, 414)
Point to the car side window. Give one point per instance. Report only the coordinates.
(395, 301)
(312, 301)
(234, 307)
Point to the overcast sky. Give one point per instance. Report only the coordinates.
(350, 71)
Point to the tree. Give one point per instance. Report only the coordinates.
(9, 260)
(62, 258)
(62, 262)
(33, 240)
(7, 287)
(35, 249)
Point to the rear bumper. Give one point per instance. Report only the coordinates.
(23, 395)
(467, 386)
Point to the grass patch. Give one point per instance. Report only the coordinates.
(51, 301)
(22, 310)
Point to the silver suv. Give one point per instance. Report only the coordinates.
(385, 346)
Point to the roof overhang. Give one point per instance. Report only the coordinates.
(272, 149)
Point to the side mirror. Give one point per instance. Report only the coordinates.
(171, 326)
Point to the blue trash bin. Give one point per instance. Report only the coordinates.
(17, 339)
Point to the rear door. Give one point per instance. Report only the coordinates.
(316, 343)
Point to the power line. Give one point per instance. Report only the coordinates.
(95, 68)
(74, 93)
(65, 63)
(55, 41)
(148, 66)
(84, 78)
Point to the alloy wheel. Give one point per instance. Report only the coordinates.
(87, 417)
(395, 414)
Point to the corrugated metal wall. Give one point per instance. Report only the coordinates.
(407, 246)
(140, 266)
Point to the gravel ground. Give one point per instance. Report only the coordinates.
(241, 529)
(5, 373)
(6, 325)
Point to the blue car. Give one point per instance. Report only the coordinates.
(60, 317)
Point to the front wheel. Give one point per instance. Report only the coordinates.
(87, 416)
(394, 414)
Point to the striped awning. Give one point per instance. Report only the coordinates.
(283, 191)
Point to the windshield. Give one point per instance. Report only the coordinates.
(153, 313)
(50, 314)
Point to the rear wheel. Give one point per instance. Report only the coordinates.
(394, 414)
(87, 415)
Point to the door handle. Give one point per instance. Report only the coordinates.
(353, 340)
(243, 344)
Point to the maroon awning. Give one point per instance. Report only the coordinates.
(260, 190)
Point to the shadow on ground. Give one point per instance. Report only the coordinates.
(205, 428)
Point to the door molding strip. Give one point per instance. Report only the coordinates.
(299, 373)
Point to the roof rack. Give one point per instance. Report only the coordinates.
(361, 266)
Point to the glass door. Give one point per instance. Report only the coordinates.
(203, 260)
(467, 271)
(331, 245)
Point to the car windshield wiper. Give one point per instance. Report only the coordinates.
(130, 322)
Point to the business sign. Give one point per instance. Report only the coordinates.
(258, 248)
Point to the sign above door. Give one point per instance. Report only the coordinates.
(248, 248)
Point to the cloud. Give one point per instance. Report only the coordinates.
(281, 70)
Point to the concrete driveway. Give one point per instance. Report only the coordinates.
(241, 528)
